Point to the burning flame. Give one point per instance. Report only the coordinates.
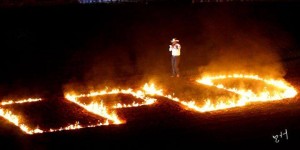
(76, 126)
(94, 107)
(103, 111)
(15, 119)
(8, 115)
(284, 91)
(150, 89)
(9, 102)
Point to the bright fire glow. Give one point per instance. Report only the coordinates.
(8, 115)
(283, 90)
(9, 102)
(15, 119)
(94, 107)
(103, 111)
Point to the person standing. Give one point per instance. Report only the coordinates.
(175, 48)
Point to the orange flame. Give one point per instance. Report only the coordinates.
(102, 110)
(246, 96)
(8, 115)
(285, 90)
(15, 119)
(9, 102)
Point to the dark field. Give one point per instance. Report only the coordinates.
(48, 50)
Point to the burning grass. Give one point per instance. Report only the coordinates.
(49, 116)
(261, 89)
(97, 108)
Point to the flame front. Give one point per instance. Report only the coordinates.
(103, 111)
(8, 115)
(245, 95)
(94, 107)
(284, 91)
(9, 102)
(15, 119)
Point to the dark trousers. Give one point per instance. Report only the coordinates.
(175, 65)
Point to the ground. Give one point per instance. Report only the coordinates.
(50, 52)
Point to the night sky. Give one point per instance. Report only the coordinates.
(44, 48)
(47, 50)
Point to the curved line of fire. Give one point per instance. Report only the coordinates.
(285, 90)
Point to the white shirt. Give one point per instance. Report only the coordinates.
(175, 49)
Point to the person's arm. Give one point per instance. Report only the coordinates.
(170, 47)
(178, 47)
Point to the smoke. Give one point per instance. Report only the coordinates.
(130, 46)
(126, 50)
(243, 43)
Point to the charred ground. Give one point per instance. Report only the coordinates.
(48, 50)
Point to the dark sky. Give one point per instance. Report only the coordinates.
(45, 47)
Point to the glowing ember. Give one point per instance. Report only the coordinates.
(76, 126)
(134, 104)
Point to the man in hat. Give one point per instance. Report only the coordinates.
(175, 49)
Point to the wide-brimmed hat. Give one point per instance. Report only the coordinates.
(174, 40)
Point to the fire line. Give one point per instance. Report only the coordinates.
(283, 90)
